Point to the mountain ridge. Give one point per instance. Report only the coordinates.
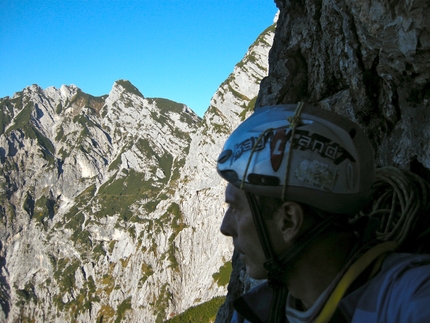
(109, 201)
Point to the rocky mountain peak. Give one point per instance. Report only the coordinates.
(112, 203)
(125, 86)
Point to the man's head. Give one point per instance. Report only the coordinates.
(280, 170)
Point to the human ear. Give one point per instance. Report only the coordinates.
(291, 220)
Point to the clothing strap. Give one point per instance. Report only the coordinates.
(263, 235)
(376, 255)
(275, 272)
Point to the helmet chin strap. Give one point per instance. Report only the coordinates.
(276, 264)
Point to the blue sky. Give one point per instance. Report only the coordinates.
(181, 50)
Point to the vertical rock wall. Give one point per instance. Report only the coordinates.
(367, 60)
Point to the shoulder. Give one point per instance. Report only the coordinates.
(405, 273)
(400, 292)
(407, 286)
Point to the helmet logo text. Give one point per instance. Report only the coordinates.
(279, 138)
(277, 148)
(322, 145)
(246, 145)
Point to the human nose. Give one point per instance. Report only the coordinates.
(227, 224)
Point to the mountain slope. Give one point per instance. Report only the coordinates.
(111, 205)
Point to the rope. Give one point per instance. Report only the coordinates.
(399, 199)
(294, 122)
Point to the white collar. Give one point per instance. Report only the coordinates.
(296, 316)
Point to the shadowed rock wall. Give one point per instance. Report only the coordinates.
(368, 60)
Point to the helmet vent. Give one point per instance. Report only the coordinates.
(352, 133)
(258, 179)
(225, 155)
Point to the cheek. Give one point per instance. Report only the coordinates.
(246, 227)
(249, 240)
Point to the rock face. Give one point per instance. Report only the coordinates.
(111, 206)
(366, 60)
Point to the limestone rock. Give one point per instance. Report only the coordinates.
(111, 205)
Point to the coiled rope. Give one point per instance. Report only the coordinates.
(400, 202)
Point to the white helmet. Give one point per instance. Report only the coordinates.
(330, 165)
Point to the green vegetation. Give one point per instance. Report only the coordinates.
(105, 314)
(237, 94)
(26, 295)
(164, 162)
(81, 203)
(44, 209)
(174, 219)
(108, 284)
(114, 165)
(6, 114)
(60, 134)
(161, 303)
(165, 105)
(80, 300)
(23, 118)
(129, 87)
(178, 166)
(247, 108)
(121, 191)
(269, 29)
(74, 220)
(63, 153)
(7, 212)
(223, 276)
(122, 308)
(81, 100)
(28, 204)
(64, 273)
(203, 313)
(86, 124)
(147, 271)
(59, 108)
(98, 251)
(217, 127)
(22, 123)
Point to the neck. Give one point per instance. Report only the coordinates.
(318, 266)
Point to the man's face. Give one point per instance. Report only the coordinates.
(239, 224)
